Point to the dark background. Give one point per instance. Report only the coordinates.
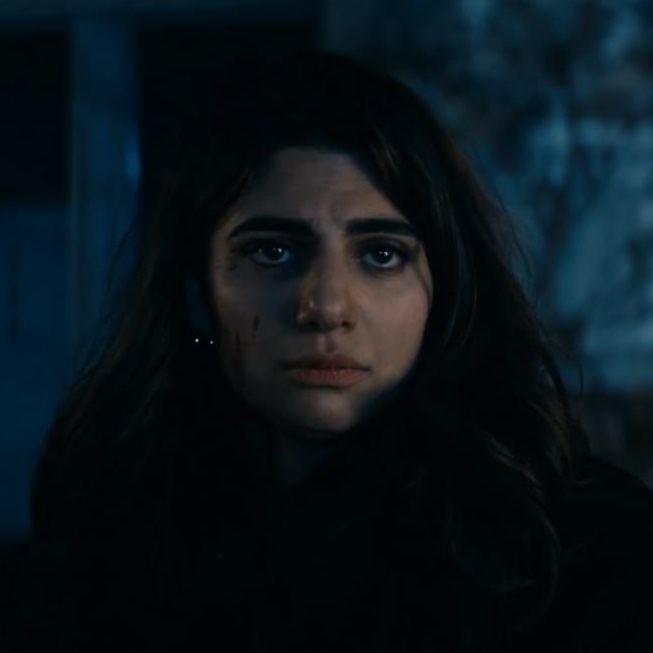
(552, 100)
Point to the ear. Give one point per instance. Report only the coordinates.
(200, 317)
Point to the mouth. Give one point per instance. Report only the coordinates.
(332, 377)
(334, 370)
(325, 361)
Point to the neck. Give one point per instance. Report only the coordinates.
(295, 454)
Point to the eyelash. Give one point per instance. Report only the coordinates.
(404, 256)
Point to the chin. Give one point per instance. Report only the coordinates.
(319, 425)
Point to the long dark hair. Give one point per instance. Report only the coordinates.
(486, 392)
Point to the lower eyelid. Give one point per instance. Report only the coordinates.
(405, 255)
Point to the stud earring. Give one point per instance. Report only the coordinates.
(202, 339)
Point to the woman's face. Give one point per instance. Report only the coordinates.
(314, 259)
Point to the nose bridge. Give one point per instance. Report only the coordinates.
(325, 293)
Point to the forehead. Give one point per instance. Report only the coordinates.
(323, 188)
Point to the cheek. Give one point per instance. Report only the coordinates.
(232, 302)
(242, 319)
(400, 327)
(230, 316)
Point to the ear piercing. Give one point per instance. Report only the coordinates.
(198, 340)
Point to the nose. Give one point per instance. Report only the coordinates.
(325, 297)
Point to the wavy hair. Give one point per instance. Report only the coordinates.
(486, 391)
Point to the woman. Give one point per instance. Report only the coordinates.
(327, 419)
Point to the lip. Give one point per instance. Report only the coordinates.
(337, 377)
(333, 370)
(325, 362)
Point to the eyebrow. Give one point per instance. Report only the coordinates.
(303, 228)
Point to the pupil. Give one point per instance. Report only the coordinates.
(274, 249)
(385, 254)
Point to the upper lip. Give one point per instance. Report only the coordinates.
(325, 361)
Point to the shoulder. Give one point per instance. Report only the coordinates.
(606, 506)
(60, 594)
(605, 596)
(35, 597)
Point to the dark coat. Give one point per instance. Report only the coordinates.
(336, 562)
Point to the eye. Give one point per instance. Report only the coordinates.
(387, 256)
(268, 253)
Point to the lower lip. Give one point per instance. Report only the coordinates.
(340, 376)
